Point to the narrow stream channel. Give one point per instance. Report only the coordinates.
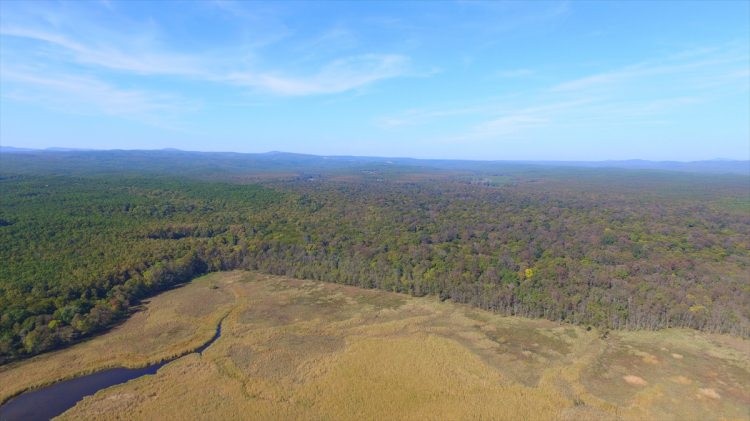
(51, 401)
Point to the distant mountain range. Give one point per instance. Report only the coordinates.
(177, 160)
(708, 166)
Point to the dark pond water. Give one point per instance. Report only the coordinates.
(53, 400)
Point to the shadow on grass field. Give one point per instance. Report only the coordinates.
(308, 350)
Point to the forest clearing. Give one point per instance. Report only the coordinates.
(292, 348)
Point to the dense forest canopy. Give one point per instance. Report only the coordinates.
(84, 236)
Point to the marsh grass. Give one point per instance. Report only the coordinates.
(293, 349)
(171, 324)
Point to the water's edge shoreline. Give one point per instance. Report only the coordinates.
(149, 363)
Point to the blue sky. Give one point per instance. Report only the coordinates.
(495, 80)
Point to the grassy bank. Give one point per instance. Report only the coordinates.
(301, 349)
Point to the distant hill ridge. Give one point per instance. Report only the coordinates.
(277, 160)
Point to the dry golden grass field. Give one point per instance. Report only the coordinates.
(293, 349)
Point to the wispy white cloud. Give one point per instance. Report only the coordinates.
(634, 94)
(681, 64)
(513, 122)
(506, 125)
(335, 77)
(508, 16)
(233, 8)
(138, 61)
(339, 75)
(331, 41)
(261, 25)
(423, 116)
(241, 64)
(86, 95)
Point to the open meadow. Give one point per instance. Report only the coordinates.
(309, 350)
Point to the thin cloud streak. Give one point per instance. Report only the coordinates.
(516, 122)
(85, 95)
(141, 63)
(597, 97)
(338, 76)
(675, 65)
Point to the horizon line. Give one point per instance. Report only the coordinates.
(68, 149)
